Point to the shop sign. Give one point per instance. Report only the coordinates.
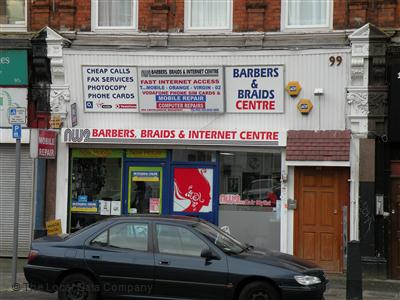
(255, 89)
(110, 88)
(47, 145)
(13, 67)
(86, 207)
(168, 136)
(53, 227)
(146, 153)
(147, 176)
(13, 98)
(193, 189)
(103, 153)
(232, 199)
(181, 89)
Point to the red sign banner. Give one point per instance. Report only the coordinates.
(47, 146)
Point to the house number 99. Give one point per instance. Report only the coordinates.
(337, 59)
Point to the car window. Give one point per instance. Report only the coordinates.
(133, 236)
(222, 240)
(178, 240)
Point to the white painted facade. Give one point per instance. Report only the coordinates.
(310, 67)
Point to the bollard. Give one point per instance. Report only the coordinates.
(354, 274)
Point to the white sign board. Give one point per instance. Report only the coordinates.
(13, 98)
(181, 89)
(255, 89)
(174, 136)
(110, 88)
(17, 115)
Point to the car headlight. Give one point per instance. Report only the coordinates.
(307, 279)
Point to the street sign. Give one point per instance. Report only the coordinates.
(17, 115)
(16, 131)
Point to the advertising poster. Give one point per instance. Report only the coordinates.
(193, 189)
(255, 89)
(154, 205)
(181, 89)
(110, 88)
(47, 144)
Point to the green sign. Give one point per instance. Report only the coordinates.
(13, 67)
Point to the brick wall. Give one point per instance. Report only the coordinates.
(248, 15)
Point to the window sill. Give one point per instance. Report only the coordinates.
(13, 28)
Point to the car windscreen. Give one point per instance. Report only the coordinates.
(223, 241)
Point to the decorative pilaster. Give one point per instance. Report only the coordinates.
(367, 92)
(59, 91)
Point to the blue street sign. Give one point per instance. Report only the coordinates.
(16, 131)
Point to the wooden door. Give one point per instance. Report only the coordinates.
(321, 193)
(394, 210)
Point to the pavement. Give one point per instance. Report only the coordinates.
(373, 289)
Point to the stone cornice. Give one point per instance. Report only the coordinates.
(274, 40)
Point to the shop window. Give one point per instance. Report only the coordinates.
(208, 15)
(193, 156)
(114, 15)
(132, 236)
(250, 191)
(178, 240)
(13, 14)
(307, 13)
(252, 177)
(95, 186)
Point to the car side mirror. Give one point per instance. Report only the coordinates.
(208, 254)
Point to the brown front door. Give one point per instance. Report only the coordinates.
(321, 193)
(394, 211)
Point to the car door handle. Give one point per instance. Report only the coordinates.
(163, 262)
(95, 256)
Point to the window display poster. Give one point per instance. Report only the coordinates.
(105, 207)
(154, 205)
(255, 89)
(110, 88)
(193, 189)
(115, 208)
(181, 89)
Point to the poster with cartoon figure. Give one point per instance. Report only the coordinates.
(193, 189)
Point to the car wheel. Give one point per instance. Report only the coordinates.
(259, 290)
(77, 287)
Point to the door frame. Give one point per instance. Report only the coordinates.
(127, 163)
(344, 189)
(215, 192)
(392, 227)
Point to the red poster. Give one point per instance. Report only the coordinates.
(47, 145)
(193, 190)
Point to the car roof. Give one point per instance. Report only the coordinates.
(152, 217)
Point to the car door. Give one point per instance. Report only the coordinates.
(122, 257)
(180, 272)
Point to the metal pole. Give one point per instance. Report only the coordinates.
(16, 211)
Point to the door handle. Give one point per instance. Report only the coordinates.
(163, 262)
(95, 256)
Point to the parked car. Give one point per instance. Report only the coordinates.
(153, 257)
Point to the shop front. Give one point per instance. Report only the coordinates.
(208, 182)
(205, 134)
